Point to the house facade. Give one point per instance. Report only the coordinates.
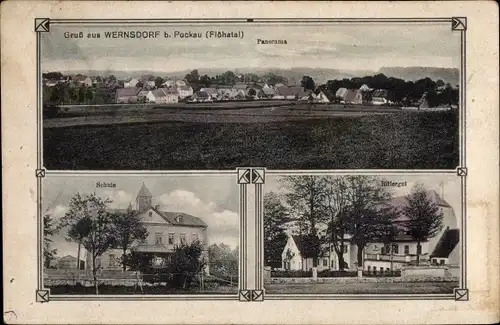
(127, 95)
(185, 91)
(162, 96)
(380, 256)
(166, 230)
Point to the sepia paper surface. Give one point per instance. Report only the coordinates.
(236, 211)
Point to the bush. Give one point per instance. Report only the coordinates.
(291, 274)
(336, 274)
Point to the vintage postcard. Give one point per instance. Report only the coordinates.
(250, 162)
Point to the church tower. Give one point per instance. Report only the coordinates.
(143, 199)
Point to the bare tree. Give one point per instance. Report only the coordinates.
(368, 215)
(305, 197)
(336, 205)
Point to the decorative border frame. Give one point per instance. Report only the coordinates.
(257, 291)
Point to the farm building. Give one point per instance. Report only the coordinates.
(184, 91)
(163, 96)
(201, 96)
(130, 83)
(127, 95)
(380, 97)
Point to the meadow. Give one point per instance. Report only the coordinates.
(396, 140)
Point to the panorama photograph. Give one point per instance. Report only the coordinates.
(297, 96)
(140, 235)
(359, 234)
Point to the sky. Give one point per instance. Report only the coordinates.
(214, 199)
(334, 46)
(450, 191)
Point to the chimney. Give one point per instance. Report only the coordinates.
(441, 186)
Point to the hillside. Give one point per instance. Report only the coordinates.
(414, 73)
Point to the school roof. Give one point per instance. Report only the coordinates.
(400, 201)
(144, 192)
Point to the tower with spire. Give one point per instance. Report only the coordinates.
(143, 199)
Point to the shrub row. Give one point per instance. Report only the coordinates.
(291, 274)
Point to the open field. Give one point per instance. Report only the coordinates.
(363, 288)
(256, 113)
(400, 140)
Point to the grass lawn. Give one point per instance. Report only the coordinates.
(362, 288)
(403, 140)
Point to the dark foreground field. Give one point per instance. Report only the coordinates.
(363, 288)
(403, 140)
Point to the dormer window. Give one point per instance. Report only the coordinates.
(150, 214)
(178, 219)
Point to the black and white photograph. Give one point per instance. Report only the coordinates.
(217, 96)
(360, 234)
(118, 235)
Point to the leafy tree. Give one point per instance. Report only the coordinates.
(252, 92)
(275, 221)
(307, 83)
(127, 227)
(186, 263)
(192, 77)
(92, 210)
(368, 215)
(158, 81)
(205, 81)
(49, 230)
(305, 197)
(336, 205)
(223, 261)
(78, 232)
(53, 75)
(425, 218)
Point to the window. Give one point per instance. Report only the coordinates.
(407, 249)
(112, 260)
(158, 238)
(395, 248)
(183, 239)
(382, 251)
(419, 249)
(325, 262)
(171, 239)
(441, 262)
(194, 237)
(150, 214)
(369, 267)
(387, 269)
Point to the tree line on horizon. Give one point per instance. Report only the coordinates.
(400, 91)
(344, 205)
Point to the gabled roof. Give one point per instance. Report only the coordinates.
(380, 93)
(268, 91)
(127, 92)
(201, 94)
(181, 218)
(293, 91)
(298, 241)
(350, 95)
(144, 192)
(400, 201)
(446, 243)
(187, 88)
(162, 92)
